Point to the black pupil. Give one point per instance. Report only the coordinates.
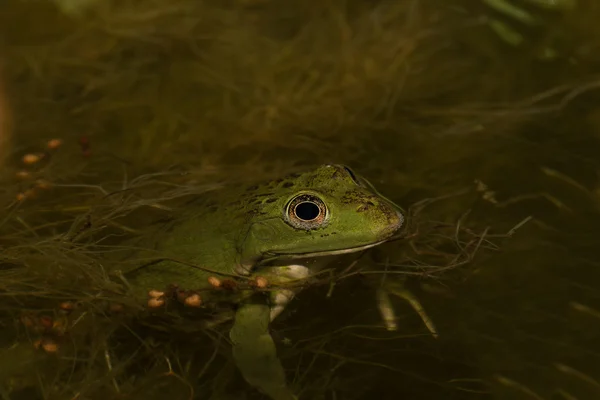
(307, 211)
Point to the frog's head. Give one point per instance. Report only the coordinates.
(326, 211)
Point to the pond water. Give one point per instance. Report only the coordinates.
(490, 147)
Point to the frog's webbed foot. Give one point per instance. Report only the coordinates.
(254, 351)
(244, 269)
(281, 297)
(386, 308)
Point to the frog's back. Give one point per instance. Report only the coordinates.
(221, 218)
(203, 231)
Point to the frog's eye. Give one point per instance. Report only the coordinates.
(306, 211)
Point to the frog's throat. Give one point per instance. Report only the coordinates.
(272, 255)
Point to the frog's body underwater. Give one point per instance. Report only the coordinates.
(266, 230)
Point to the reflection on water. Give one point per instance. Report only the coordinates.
(148, 98)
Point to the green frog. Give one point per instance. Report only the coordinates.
(263, 240)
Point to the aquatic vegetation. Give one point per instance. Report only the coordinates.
(5, 121)
(70, 305)
(517, 11)
(128, 108)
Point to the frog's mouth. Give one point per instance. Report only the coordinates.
(274, 255)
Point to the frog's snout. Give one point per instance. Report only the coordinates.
(395, 217)
(388, 216)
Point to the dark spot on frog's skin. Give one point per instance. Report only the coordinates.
(327, 191)
(269, 201)
(288, 185)
(365, 206)
(258, 199)
(356, 196)
(261, 195)
(251, 188)
(212, 209)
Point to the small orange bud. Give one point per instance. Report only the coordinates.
(23, 175)
(193, 300)
(31, 158)
(43, 184)
(67, 306)
(48, 345)
(156, 293)
(156, 302)
(214, 281)
(261, 282)
(54, 144)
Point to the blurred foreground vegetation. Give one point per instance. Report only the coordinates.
(148, 97)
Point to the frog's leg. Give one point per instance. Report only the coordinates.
(253, 347)
(254, 351)
(386, 309)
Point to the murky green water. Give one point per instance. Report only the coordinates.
(422, 98)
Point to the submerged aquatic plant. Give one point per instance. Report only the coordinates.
(155, 100)
(78, 333)
(5, 121)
